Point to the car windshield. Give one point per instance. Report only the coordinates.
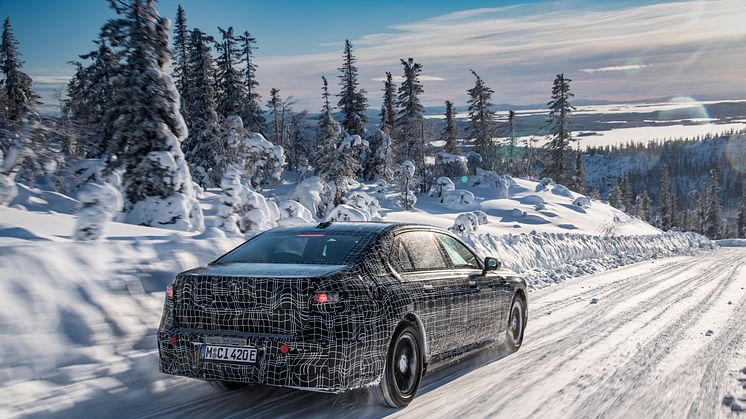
(293, 247)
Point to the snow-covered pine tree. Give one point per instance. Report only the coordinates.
(252, 114)
(410, 142)
(663, 208)
(627, 194)
(274, 106)
(741, 215)
(481, 118)
(642, 207)
(300, 148)
(560, 134)
(352, 101)
(579, 184)
(229, 77)
(510, 154)
(450, 132)
(147, 127)
(19, 98)
(89, 94)
(345, 165)
(615, 196)
(327, 132)
(712, 221)
(204, 147)
(407, 199)
(334, 164)
(379, 160)
(181, 56)
(388, 109)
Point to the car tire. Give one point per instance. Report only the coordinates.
(402, 373)
(516, 325)
(228, 385)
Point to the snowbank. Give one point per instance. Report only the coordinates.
(732, 242)
(550, 258)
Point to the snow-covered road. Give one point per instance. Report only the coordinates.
(665, 338)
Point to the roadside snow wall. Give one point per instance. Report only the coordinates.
(550, 258)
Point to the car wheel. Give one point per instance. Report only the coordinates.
(403, 370)
(228, 385)
(516, 325)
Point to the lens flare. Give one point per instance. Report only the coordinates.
(685, 109)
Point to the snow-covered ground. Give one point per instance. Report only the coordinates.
(78, 319)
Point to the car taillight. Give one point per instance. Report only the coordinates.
(170, 292)
(325, 297)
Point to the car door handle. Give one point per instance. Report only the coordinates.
(428, 287)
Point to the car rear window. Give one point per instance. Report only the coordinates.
(303, 248)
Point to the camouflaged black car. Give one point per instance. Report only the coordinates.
(339, 306)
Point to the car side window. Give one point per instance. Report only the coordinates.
(424, 251)
(461, 257)
(399, 257)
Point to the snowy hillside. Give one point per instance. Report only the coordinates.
(527, 207)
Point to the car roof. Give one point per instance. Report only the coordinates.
(379, 227)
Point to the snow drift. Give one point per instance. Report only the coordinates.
(550, 258)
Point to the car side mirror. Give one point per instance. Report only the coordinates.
(491, 264)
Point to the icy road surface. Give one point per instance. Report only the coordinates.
(655, 339)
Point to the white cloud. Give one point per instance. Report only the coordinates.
(631, 67)
(518, 51)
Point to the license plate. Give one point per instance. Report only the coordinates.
(227, 354)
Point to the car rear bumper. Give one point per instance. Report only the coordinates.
(329, 366)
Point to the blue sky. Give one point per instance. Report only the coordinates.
(617, 50)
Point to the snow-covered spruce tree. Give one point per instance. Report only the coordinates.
(410, 144)
(100, 201)
(388, 109)
(741, 215)
(344, 166)
(147, 128)
(251, 113)
(627, 193)
(481, 118)
(511, 152)
(328, 132)
(615, 196)
(276, 125)
(19, 99)
(450, 132)
(299, 151)
(352, 101)
(263, 161)
(560, 135)
(643, 207)
(664, 208)
(579, 184)
(712, 221)
(242, 210)
(181, 56)
(89, 94)
(204, 146)
(227, 217)
(229, 76)
(407, 199)
(379, 159)
(8, 187)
